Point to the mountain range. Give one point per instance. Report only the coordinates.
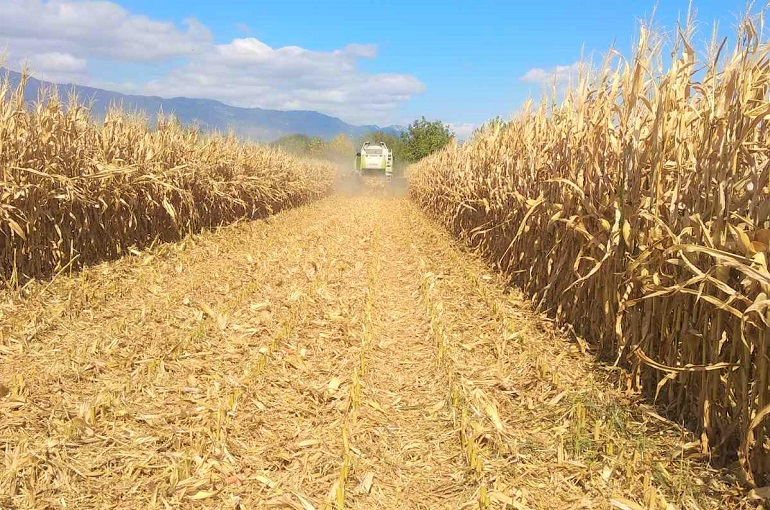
(249, 123)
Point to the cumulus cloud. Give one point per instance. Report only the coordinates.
(462, 130)
(60, 62)
(58, 37)
(359, 50)
(247, 72)
(57, 66)
(95, 28)
(558, 75)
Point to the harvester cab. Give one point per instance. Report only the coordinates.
(374, 158)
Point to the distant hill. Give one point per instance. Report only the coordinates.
(253, 123)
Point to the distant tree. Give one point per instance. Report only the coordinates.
(424, 137)
(340, 149)
(303, 145)
(296, 144)
(317, 147)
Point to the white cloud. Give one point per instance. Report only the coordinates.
(558, 75)
(247, 72)
(94, 28)
(60, 62)
(57, 66)
(463, 130)
(58, 37)
(360, 50)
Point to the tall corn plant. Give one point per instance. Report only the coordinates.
(638, 210)
(73, 192)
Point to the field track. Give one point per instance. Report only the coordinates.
(344, 354)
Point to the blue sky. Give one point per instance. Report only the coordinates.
(365, 61)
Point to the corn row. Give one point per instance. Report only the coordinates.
(637, 209)
(367, 337)
(73, 192)
(471, 429)
(337, 495)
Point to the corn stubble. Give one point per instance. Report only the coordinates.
(637, 210)
(75, 192)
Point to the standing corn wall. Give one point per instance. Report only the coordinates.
(638, 211)
(74, 192)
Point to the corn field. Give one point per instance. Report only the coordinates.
(637, 211)
(344, 355)
(74, 192)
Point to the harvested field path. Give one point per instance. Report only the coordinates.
(344, 354)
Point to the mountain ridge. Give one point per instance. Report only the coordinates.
(251, 123)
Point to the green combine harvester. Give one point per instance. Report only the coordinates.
(375, 159)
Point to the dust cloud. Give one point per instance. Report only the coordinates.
(349, 184)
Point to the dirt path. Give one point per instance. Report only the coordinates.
(345, 354)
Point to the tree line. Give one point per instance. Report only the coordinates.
(421, 138)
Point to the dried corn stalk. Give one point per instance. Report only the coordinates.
(73, 192)
(638, 210)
